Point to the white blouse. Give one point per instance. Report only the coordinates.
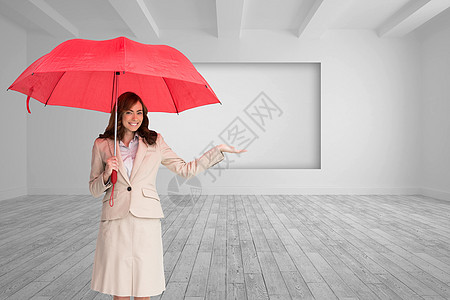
(129, 153)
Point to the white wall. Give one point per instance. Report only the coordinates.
(370, 123)
(435, 50)
(13, 149)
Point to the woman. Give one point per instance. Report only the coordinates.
(129, 252)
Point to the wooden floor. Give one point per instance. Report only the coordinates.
(241, 247)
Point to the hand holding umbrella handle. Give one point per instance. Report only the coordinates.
(111, 171)
(113, 181)
(114, 176)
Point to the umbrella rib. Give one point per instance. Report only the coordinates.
(54, 88)
(173, 100)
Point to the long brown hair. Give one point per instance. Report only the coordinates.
(124, 103)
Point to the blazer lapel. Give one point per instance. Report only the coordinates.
(122, 169)
(140, 154)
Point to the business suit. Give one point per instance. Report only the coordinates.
(138, 193)
(128, 258)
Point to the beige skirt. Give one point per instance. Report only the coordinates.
(128, 258)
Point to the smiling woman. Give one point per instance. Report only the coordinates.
(128, 258)
(121, 240)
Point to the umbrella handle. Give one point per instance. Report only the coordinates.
(114, 176)
(113, 181)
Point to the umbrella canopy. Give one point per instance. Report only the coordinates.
(81, 73)
(92, 74)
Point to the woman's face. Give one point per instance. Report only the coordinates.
(132, 118)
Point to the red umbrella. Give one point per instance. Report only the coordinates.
(91, 74)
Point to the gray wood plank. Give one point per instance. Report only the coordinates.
(199, 277)
(236, 291)
(255, 286)
(321, 291)
(297, 287)
(235, 270)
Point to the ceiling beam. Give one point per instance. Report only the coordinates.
(320, 14)
(306, 24)
(411, 16)
(138, 18)
(56, 17)
(44, 16)
(229, 18)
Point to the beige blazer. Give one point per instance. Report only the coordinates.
(138, 193)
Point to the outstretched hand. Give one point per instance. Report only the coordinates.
(230, 149)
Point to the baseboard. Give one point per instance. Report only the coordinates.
(13, 193)
(252, 190)
(58, 191)
(433, 193)
(247, 190)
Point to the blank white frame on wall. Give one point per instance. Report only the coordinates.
(272, 109)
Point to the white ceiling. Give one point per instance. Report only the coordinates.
(150, 20)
